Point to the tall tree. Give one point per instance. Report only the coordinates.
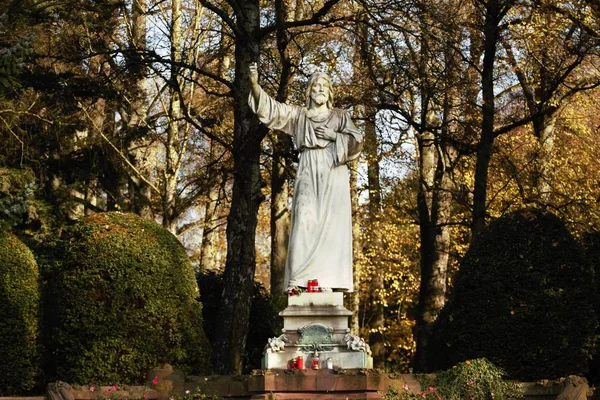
(239, 272)
(238, 280)
(552, 66)
(211, 232)
(137, 113)
(280, 170)
(368, 111)
(493, 12)
(418, 78)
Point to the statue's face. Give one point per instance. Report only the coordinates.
(319, 91)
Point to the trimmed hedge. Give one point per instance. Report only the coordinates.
(19, 308)
(523, 298)
(265, 321)
(591, 242)
(124, 301)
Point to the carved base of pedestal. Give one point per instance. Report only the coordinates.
(317, 322)
(311, 384)
(341, 359)
(319, 396)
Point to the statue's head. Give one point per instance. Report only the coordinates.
(319, 90)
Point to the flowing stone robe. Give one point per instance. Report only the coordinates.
(320, 243)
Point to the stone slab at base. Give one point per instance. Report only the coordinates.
(317, 381)
(317, 299)
(318, 396)
(64, 391)
(346, 360)
(23, 398)
(325, 308)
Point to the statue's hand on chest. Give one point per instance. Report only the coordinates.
(325, 133)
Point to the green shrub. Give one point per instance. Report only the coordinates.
(124, 301)
(591, 242)
(476, 379)
(19, 302)
(523, 298)
(264, 323)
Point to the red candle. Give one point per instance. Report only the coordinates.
(315, 361)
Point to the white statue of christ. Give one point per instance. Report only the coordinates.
(320, 243)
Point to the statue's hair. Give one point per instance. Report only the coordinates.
(314, 77)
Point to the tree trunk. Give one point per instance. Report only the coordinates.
(426, 143)
(280, 215)
(356, 253)
(140, 191)
(282, 149)
(537, 99)
(545, 135)
(238, 279)
(113, 178)
(371, 156)
(427, 311)
(210, 243)
(210, 232)
(376, 286)
(172, 150)
(434, 199)
(97, 114)
(486, 140)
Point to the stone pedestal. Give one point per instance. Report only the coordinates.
(317, 322)
(317, 384)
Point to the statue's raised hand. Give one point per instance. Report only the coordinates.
(253, 74)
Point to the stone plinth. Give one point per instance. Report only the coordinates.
(317, 384)
(219, 386)
(63, 391)
(321, 308)
(341, 358)
(317, 322)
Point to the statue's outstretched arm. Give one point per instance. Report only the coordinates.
(254, 86)
(275, 115)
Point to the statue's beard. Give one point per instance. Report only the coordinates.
(319, 99)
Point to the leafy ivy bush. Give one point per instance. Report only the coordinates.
(265, 322)
(476, 379)
(19, 306)
(124, 301)
(523, 298)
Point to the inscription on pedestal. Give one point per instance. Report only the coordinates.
(316, 337)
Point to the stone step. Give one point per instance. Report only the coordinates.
(317, 299)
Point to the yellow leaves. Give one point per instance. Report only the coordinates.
(572, 169)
